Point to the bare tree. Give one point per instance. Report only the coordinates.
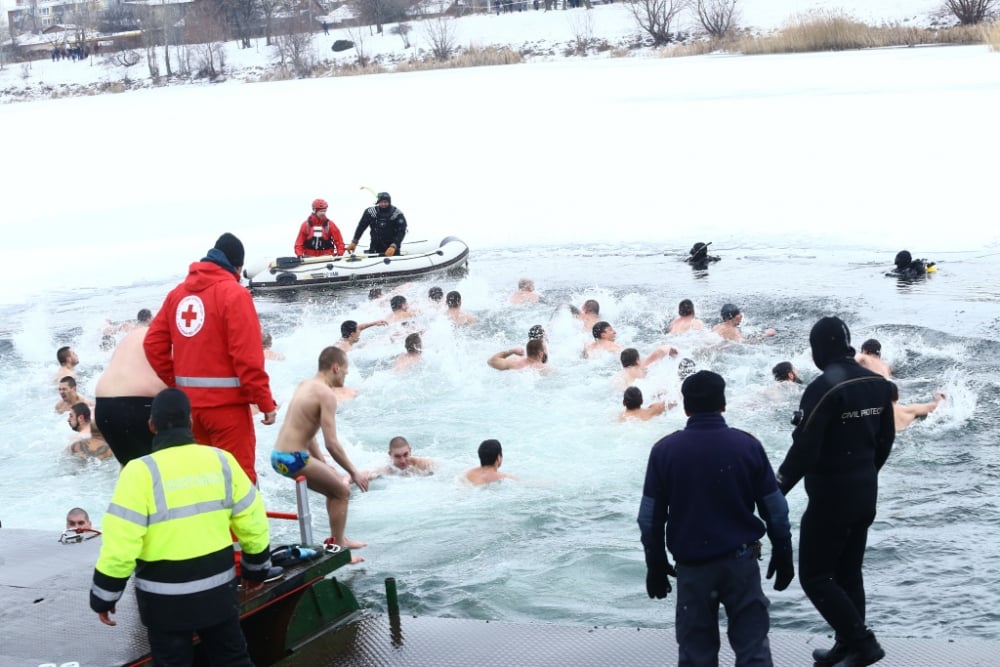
(971, 12)
(440, 33)
(717, 17)
(403, 30)
(268, 8)
(295, 52)
(241, 16)
(380, 12)
(583, 31)
(358, 37)
(655, 17)
(206, 31)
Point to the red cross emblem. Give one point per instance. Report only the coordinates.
(190, 315)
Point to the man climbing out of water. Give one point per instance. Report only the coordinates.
(319, 235)
(388, 227)
(702, 484)
(78, 519)
(490, 459)
(313, 408)
(839, 445)
(171, 521)
(206, 339)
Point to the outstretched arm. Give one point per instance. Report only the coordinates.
(328, 424)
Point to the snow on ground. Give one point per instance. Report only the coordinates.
(547, 33)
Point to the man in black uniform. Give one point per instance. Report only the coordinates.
(388, 227)
(843, 436)
(699, 259)
(701, 487)
(908, 268)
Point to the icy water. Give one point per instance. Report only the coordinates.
(560, 544)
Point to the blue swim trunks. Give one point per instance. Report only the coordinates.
(289, 463)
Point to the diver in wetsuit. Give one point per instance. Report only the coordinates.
(699, 258)
(844, 434)
(908, 268)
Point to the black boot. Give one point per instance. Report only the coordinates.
(836, 653)
(865, 651)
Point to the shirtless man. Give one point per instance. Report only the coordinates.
(400, 309)
(403, 462)
(685, 320)
(590, 314)
(632, 400)
(905, 414)
(68, 395)
(78, 519)
(785, 372)
(455, 312)
(414, 348)
(490, 460)
(870, 357)
(90, 445)
(125, 394)
(313, 407)
(525, 292)
(530, 356)
(633, 369)
(729, 327)
(269, 354)
(68, 361)
(350, 333)
(604, 340)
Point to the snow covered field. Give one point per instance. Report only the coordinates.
(545, 32)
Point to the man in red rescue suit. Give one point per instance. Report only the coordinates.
(169, 521)
(318, 235)
(206, 340)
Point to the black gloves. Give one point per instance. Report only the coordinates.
(781, 562)
(657, 583)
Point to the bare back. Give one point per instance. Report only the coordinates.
(312, 405)
(129, 373)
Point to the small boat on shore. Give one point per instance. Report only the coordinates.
(415, 259)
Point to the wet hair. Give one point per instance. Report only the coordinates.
(144, 316)
(526, 284)
(535, 349)
(536, 332)
(599, 329)
(872, 346)
(397, 302)
(413, 343)
(489, 451)
(781, 370)
(435, 293)
(685, 308)
(81, 409)
(454, 299)
(591, 306)
(685, 368)
(68, 379)
(347, 327)
(62, 354)
(632, 398)
(266, 340)
(374, 293)
(398, 443)
(729, 311)
(77, 511)
(331, 355)
(629, 357)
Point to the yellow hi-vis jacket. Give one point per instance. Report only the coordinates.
(169, 521)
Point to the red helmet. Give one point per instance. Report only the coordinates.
(319, 204)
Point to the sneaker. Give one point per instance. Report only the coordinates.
(274, 574)
(330, 546)
(829, 656)
(862, 653)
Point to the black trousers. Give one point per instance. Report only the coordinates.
(223, 643)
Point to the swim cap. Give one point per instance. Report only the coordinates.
(729, 311)
(536, 332)
(685, 368)
(830, 339)
(704, 391)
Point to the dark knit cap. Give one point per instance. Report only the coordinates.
(232, 248)
(171, 409)
(830, 339)
(704, 391)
